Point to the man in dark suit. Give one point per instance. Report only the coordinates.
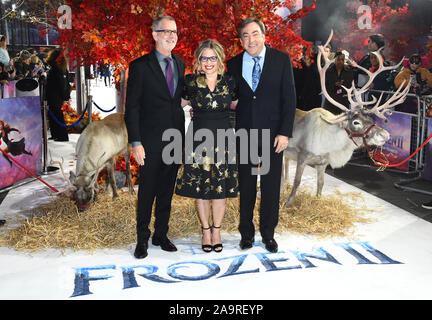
(153, 105)
(267, 100)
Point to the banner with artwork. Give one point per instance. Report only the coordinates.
(20, 138)
(397, 148)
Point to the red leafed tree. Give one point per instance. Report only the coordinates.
(395, 23)
(117, 32)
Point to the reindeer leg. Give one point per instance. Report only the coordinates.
(285, 176)
(128, 172)
(320, 177)
(301, 163)
(112, 181)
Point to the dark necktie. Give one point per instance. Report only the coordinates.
(169, 76)
(256, 73)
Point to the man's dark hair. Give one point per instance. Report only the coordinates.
(250, 20)
(378, 39)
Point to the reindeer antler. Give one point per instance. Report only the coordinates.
(358, 103)
(70, 185)
(397, 98)
(372, 75)
(322, 71)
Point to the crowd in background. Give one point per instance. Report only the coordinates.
(25, 64)
(343, 73)
(32, 64)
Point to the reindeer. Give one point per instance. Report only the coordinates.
(321, 138)
(97, 147)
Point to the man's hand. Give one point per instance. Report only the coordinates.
(139, 154)
(281, 143)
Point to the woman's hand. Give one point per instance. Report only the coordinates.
(184, 103)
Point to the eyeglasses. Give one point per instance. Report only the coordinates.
(205, 59)
(415, 61)
(168, 32)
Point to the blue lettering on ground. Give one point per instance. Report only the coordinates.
(270, 262)
(82, 279)
(212, 269)
(235, 265)
(325, 256)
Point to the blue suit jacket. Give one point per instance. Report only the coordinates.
(273, 104)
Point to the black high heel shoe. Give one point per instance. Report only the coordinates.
(206, 247)
(217, 247)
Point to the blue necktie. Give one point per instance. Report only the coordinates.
(256, 73)
(169, 76)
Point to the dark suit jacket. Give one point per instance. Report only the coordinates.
(273, 104)
(150, 109)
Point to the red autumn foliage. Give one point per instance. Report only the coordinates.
(117, 32)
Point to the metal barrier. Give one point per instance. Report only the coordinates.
(46, 169)
(415, 162)
(420, 136)
(403, 184)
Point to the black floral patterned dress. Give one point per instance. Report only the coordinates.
(209, 171)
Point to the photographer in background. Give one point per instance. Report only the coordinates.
(421, 78)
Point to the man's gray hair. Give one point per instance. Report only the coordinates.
(250, 20)
(155, 24)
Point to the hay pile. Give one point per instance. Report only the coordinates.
(112, 224)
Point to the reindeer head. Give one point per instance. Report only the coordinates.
(357, 118)
(84, 190)
(360, 125)
(81, 187)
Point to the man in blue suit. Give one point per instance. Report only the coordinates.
(267, 101)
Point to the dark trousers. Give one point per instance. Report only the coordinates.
(157, 180)
(57, 131)
(270, 195)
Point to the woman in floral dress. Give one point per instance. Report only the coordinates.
(205, 176)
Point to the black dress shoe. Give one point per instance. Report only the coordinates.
(271, 245)
(141, 250)
(246, 243)
(165, 244)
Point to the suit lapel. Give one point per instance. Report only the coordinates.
(240, 71)
(265, 71)
(155, 66)
(181, 70)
